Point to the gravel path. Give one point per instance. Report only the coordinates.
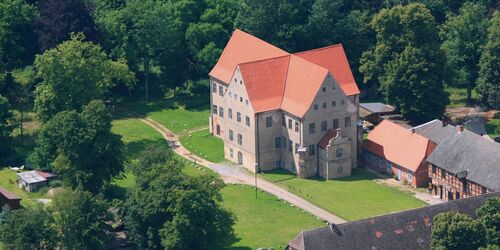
(238, 174)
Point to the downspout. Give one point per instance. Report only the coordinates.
(210, 108)
(257, 142)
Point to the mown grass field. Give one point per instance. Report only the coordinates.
(493, 127)
(179, 113)
(262, 222)
(352, 198)
(203, 144)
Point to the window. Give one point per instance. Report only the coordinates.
(221, 112)
(315, 106)
(410, 176)
(238, 116)
(312, 128)
(290, 123)
(241, 82)
(235, 80)
(241, 99)
(334, 103)
(296, 126)
(283, 120)
(246, 102)
(277, 163)
(231, 153)
(269, 122)
(231, 135)
(214, 87)
(214, 109)
(277, 142)
(342, 102)
(240, 139)
(433, 169)
(339, 152)
(235, 96)
(311, 150)
(335, 123)
(347, 121)
(221, 91)
(296, 147)
(324, 105)
(324, 89)
(230, 113)
(247, 121)
(230, 94)
(290, 145)
(340, 170)
(443, 174)
(324, 125)
(333, 87)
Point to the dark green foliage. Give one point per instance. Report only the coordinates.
(456, 231)
(169, 209)
(489, 215)
(16, 33)
(488, 83)
(408, 62)
(150, 156)
(464, 36)
(28, 228)
(80, 220)
(58, 19)
(5, 130)
(80, 147)
(73, 74)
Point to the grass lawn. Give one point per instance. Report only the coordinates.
(8, 181)
(266, 221)
(351, 198)
(203, 144)
(458, 96)
(493, 127)
(183, 112)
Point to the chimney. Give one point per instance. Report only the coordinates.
(444, 121)
(460, 129)
(413, 131)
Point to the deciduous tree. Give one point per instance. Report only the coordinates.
(5, 129)
(489, 215)
(456, 231)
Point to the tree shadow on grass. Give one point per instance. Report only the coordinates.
(134, 149)
(190, 102)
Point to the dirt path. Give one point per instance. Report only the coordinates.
(237, 174)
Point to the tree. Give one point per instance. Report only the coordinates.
(16, 29)
(281, 23)
(28, 228)
(489, 216)
(80, 219)
(456, 231)
(150, 36)
(5, 129)
(410, 69)
(488, 85)
(80, 147)
(58, 19)
(464, 36)
(168, 209)
(73, 74)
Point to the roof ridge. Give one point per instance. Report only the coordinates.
(317, 49)
(254, 36)
(265, 59)
(286, 80)
(424, 124)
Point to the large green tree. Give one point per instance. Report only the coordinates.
(489, 215)
(456, 231)
(75, 73)
(28, 228)
(5, 129)
(149, 35)
(411, 69)
(80, 220)
(168, 209)
(464, 36)
(488, 83)
(16, 33)
(80, 147)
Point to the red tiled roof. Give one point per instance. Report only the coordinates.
(323, 143)
(398, 145)
(45, 175)
(9, 195)
(334, 59)
(275, 79)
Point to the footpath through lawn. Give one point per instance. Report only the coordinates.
(262, 222)
(351, 198)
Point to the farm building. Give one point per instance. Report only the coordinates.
(32, 180)
(9, 199)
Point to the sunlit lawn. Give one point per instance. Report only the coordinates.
(183, 112)
(458, 96)
(203, 144)
(351, 198)
(493, 127)
(265, 221)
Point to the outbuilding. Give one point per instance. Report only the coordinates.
(32, 180)
(9, 199)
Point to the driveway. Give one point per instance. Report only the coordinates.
(238, 174)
